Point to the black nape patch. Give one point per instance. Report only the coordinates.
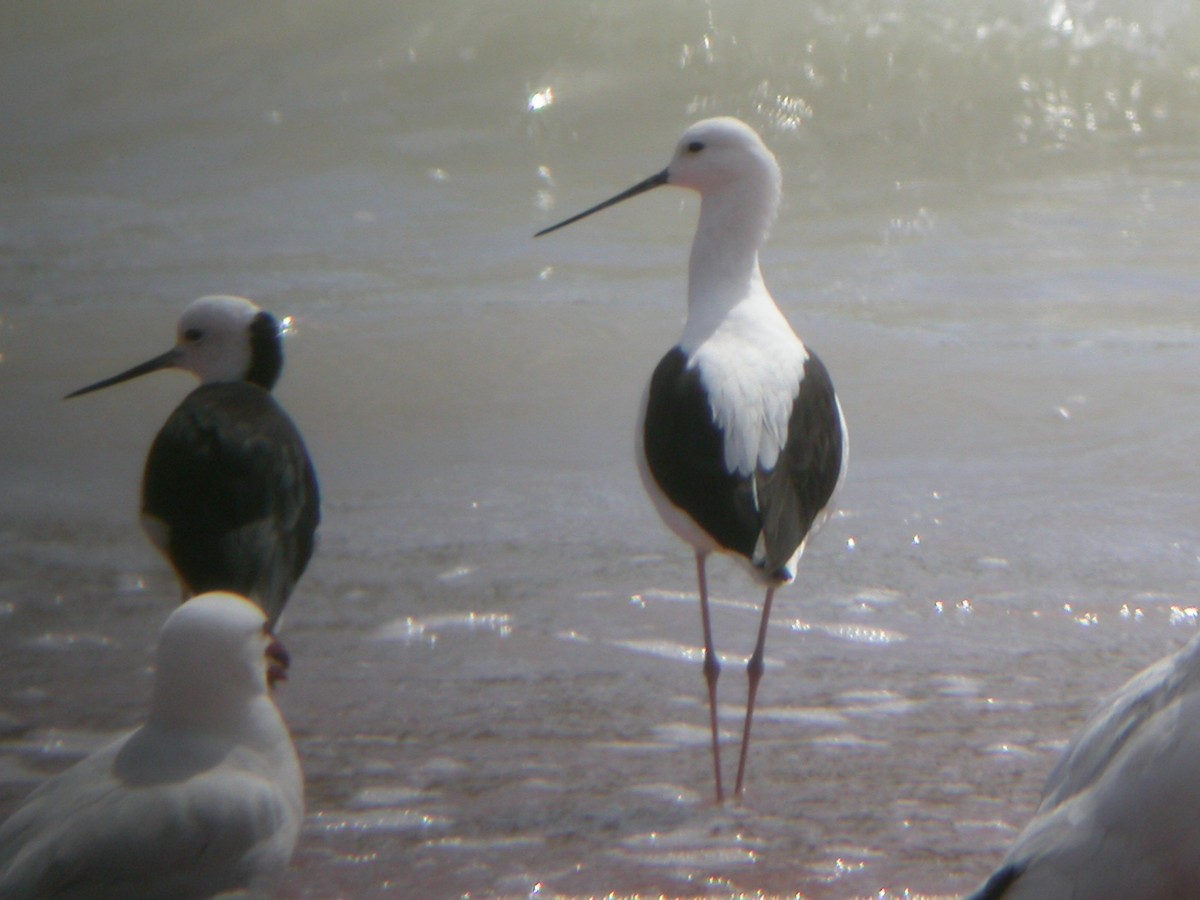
(266, 351)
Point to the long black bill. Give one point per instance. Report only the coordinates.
(165, 361)
(640, 188)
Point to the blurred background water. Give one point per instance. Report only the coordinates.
(988, 234)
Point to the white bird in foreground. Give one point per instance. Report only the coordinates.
(206, 797)
(741, 441)
(1119, 817)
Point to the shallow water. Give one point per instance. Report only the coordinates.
(989, 236)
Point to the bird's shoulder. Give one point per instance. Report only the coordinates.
(679, 426)
(1123, 717)
(230, 411)
(226, 428)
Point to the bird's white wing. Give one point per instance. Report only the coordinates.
(1118, 719)
(1118, 817)
(223, 827)
(1133, 831)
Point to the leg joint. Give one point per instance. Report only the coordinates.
(712, 666)
(755, 667)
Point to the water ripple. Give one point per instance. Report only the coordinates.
(386, 821)
(690, 848)
(667, 793)
(70, 641)
(57, 743)
(410, 629)
(373, 798)
(848, 741)
(815, 717)
(861, 634)
(876, 703)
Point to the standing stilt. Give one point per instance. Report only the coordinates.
(741, 443)
(229, 493)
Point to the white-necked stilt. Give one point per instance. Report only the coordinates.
(229, 494)
(741, 443)
(1120, 813)
(204, 798)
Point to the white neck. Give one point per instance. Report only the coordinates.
(723, 270)
(212, 706)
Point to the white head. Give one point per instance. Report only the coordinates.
(215, 655)
(714, 155)
(213, 338)
(219, 338)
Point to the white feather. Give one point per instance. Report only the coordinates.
(1120, 815)
(751, 366)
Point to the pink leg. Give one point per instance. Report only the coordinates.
(712, 671)
(754, 671)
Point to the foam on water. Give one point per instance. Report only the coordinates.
(373, 797)
(431, 627)
(376, 821)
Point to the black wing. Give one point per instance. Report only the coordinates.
(800, 486)
(685, 452)
(231, 479)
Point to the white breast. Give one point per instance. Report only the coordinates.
(751, 366)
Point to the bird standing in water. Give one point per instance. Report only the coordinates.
(229, 493)
(741, 441)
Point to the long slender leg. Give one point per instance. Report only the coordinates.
(712, 671)
(754, 671)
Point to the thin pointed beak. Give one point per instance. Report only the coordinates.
(164, 361)
(641, 187)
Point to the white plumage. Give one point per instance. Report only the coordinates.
(752, 369)
(206, 797)
(1120, 813)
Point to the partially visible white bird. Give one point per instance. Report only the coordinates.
(206, 797)
(1120, 813)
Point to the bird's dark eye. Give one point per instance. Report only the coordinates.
(695, 146)
(193, 334)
